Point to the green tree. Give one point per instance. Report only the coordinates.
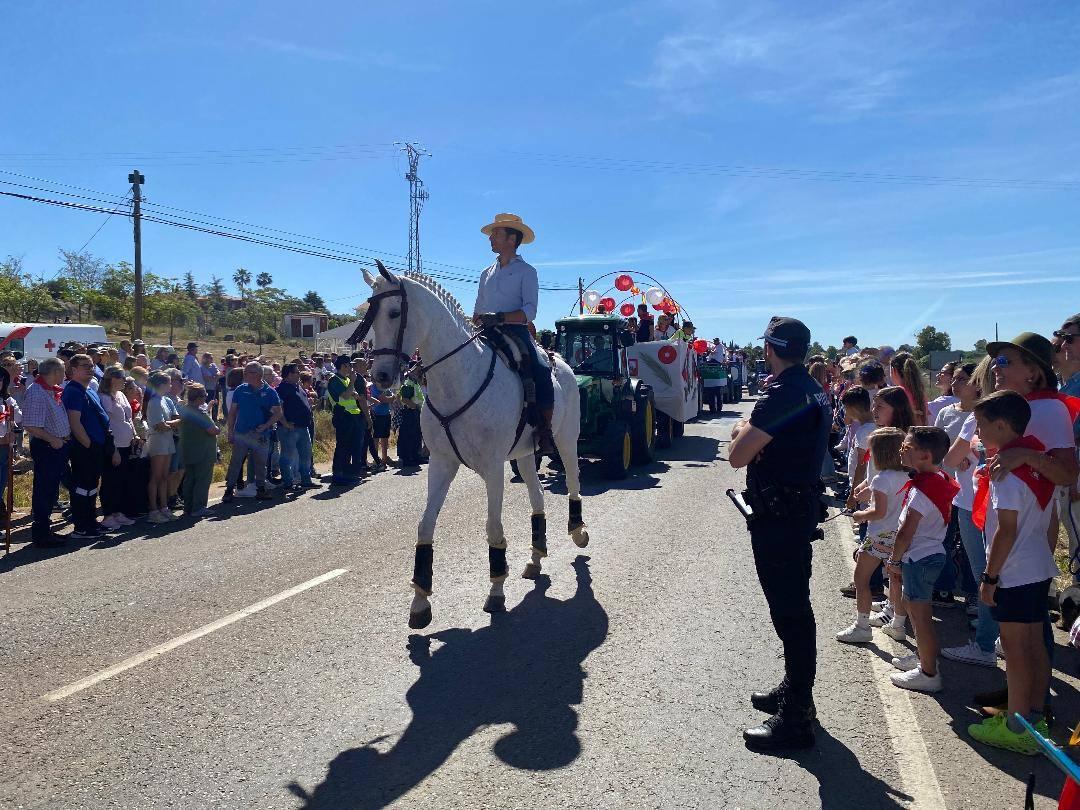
(264, 280)
(242, 279)
(928, 339)
(117, 297)
(21, 297)
(191, 289)
(173, 308)
(84, 273)
(832, 352)
(313, 301)
(215, 290)
(980, 346)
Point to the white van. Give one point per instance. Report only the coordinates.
(38, 341)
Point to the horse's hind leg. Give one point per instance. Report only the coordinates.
(440, 475)
(493, 480)
(527, 467)
(567, 445)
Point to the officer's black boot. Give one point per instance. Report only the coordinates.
(769, 702)
(790, 728)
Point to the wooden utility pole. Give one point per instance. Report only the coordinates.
(136, 181)
(581, 296)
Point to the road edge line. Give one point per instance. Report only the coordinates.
(920, 780)
(179, 641)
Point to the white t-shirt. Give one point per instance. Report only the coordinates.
(930, 535)
(1050, 424)
(889, 484)
(934, 406)
(858, 445)
(952, 420)
(1030, 559)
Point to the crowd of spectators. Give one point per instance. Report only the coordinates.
(132, 438)
(962, 491)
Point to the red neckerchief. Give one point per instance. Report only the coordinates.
(866, 457)
(939, 487)
(136, 407)
(57, 390)
(1042, 488)
(1072, 403)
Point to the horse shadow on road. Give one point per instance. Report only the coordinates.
(525, 668)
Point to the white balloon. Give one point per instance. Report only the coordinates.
(592, 298)
(654, 295)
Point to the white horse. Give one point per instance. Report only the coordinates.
(473, 416)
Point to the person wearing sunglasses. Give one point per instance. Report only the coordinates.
(1066, 344)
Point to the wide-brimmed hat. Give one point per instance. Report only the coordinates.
(513, 222)
(1034, 346)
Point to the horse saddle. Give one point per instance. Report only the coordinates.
(500, 343)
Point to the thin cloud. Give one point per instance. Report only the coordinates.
(369, 58)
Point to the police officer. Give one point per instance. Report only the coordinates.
(507, 298)
(348, 424)
(782, 445)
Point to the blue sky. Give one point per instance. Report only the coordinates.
(612, 128)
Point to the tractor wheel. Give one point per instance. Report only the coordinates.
(643, 433)
(617, 450)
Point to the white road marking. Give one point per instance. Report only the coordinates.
(172, 644)
(908, 744)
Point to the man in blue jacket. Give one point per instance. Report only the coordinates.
(293, 431)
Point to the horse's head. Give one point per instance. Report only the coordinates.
(388, 324)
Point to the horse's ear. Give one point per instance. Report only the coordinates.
(368, 278)
(385, 273)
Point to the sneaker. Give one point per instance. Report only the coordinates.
(855, 634)
(998, 649)
(917, 681)
(206, 511)
(943, 599)
(88, 534)
(878, 605)
(111, 523)
(883, 618)
(270, 485)
(895, 633)
(156, 517)
(995, 731)
(906, 663)
(168, 515)
(311, 485)
(972, 605)
(971, 653)
(247, 492)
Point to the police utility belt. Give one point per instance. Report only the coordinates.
(782, 503)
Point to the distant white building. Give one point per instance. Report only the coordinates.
(336, 340)
(303, 324)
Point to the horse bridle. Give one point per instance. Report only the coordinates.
(372, 312)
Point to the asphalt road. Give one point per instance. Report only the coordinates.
(619, 680)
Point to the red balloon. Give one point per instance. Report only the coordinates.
(623, 283)
(608, 304)
(667, 354)
(627, 310)
(701, 346)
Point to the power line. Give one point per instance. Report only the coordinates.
(299, 248)
(95, 233)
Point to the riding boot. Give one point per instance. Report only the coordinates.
(546, 441)
(792, 726)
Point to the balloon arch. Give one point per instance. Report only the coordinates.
(623, 284)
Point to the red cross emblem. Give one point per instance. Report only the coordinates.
(49, 345)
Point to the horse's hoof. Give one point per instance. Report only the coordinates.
(532, 571)
(495, 604)
(581, 538)
(418, 621)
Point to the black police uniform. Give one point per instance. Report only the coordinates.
(784, 491)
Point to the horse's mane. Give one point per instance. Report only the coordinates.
(444, 295)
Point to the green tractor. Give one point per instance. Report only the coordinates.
(617, 412)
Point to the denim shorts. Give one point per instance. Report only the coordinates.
(920, 576)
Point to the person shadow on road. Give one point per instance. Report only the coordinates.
(525, 668)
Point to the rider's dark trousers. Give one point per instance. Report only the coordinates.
(783, 555)
(541, 374)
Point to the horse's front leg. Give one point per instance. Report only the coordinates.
(527, 466)
(441, 474)
(493, 480)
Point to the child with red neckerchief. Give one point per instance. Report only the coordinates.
(919, 551)
(1015, 509)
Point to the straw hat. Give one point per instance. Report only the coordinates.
(512, 221)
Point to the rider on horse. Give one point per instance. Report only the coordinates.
(507, 299)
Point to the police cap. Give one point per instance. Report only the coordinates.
(790, 335)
